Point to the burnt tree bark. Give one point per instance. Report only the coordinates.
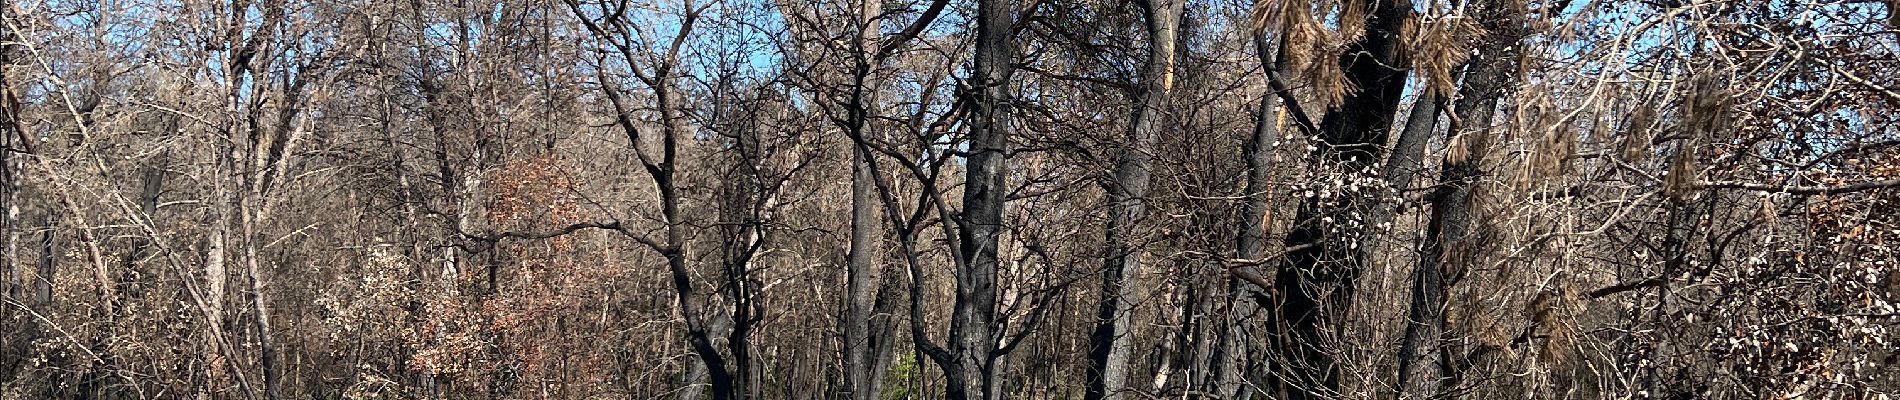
(970, 371)
(1315, 289)
(1237, 360)
(1112, 341)
(1452, 234)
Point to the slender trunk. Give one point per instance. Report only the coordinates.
(970, 374)
(1452, 235)
(862, 356)
(1425, 320)
(15, 346)
(1317, 287)
(216, 271)
(698, 334)
(12, 135)
(1112, 342)
(1237, 363)
(260, 305)
(861, 296)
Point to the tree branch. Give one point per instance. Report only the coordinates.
(1802, 190)
(492, 238)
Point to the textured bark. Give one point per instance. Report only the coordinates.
(970, 371)
(1236, 362)
(260, 305)
(1355, 132)
(215, 267)
(49, 263)
(866, 352)
(1408, 154)
(216, 271)
(861, 296)
(1112, 341)
(1452, 233)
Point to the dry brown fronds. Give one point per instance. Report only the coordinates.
(1352, 20)
(1705, 107)
(1681, 177)
(1312, 46)
(1635, 144)
(1554, 152)
(1555, 311)
(1458, 149)
(1437, 45)
(1550, 150)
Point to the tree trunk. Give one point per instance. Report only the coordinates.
(674, 249)
(1305, 324)
(860, 277)
(864, 359)
(1452, 235)
(970, 372)
(1237, 362)
(260, 304)
(14, 347)
(49, 264)
(883, 332)
(1112, 342)
(1409, 153)
(216, 270)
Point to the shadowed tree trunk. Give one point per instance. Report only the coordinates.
(1317, 286)
(1237, 361)
(866, 347)
(869, 324)
(1111, 343)
(14, 347)
(970, 371)
(861, 297)
(1452, 234)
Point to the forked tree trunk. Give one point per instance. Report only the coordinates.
(1316, 288)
